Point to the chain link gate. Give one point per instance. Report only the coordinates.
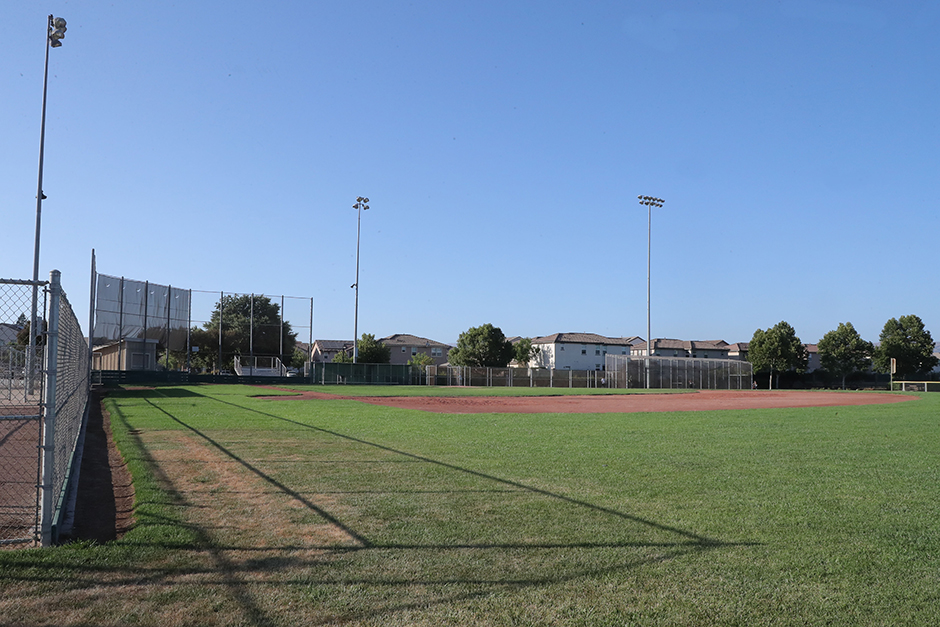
(20, 412)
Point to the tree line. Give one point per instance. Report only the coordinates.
(843, 351)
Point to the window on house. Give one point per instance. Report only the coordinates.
(404, 349)
(584, 351)
(597, 351)
(436, 351)
(414, 350)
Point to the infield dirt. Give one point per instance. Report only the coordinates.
(704, 400)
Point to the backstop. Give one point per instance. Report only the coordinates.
(632, 371)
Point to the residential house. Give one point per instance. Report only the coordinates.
(404, 346)
(695, 349)
(8, 333)
(812, 357)
(738, 350)
(579, 351)
(325, 350)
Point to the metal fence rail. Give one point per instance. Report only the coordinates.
(40, 423)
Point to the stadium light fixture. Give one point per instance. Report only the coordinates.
(55, 33)
(362, 204)
(650, 202)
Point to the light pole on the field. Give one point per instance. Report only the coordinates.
(55, 33)
(362, 204)
(650, 202)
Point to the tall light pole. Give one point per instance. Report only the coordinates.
(650, 202)
(362, 204)
(54, 35)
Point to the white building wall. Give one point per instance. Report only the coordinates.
(576, 356)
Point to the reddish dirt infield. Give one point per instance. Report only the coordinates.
(617, 403)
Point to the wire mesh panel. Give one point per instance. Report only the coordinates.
(624, 371)
(67, 389)
(21, 397)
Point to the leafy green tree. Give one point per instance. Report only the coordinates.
(907, 341)
(525, 351)
(419, 360)
(372, 351)
(298, 358)
(482, 346)
(342, 357)
(250, 324)
(777, 349)
(843, 351)
(22, 338)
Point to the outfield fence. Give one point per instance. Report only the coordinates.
(626, 371)
(915, 386)
(42, 410)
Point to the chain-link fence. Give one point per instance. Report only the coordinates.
(512, 377)
(43, 402)
(624, 371)
(20, 413)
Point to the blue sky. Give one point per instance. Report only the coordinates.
(220, 146)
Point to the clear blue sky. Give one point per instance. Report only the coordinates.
(220, 146)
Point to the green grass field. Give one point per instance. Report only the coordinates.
(261, 512)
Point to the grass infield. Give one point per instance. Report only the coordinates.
(257, 512)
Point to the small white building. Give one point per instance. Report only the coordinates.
(578, 351)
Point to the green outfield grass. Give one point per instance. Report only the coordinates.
(260, 512)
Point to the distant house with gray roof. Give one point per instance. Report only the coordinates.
(696, 349)
(404, 346)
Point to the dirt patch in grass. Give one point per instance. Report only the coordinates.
(238, 504)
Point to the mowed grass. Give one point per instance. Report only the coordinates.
(273, 512)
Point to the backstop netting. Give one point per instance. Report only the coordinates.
(632, 371)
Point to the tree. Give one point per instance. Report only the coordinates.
(908, 342)
(372, 351)
(22, 338)
(777, 349)
(418, 361)
(250, 324)
(525, 351)
(484, 346)
(843, 351)
(342, 357)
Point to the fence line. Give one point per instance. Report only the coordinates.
(40, 425)
(679, 372)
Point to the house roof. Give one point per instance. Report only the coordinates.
(585, 338)
(737, 346)
(405, 339)
(332, 345)
(686, 345)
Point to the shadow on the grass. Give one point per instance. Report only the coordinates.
(514, 566)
